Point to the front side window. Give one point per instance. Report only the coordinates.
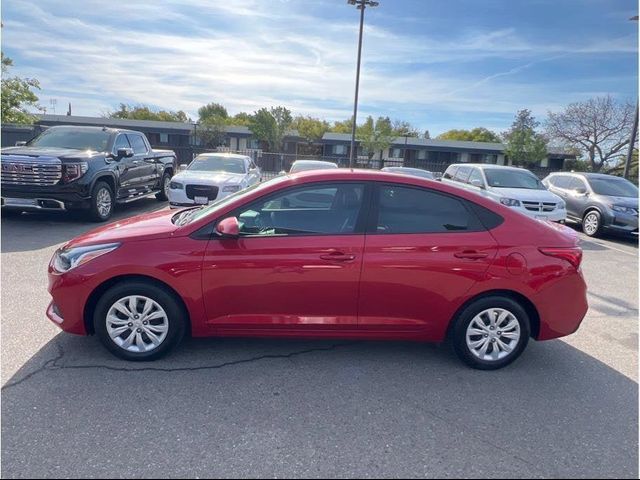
(311, 210)
(450, 172)
(121, 142)
(139, 147)
(416, 210)
(476, 178)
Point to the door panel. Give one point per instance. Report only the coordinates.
(283, 282)
(412, 281)
(425, 251)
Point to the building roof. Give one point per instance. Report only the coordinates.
(186, 128)
(400, 142)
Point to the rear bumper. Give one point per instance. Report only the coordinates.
(562, 305)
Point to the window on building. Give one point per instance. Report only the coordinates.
(164, 138)
(416, 210)
(339, 149)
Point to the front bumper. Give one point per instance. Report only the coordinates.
(622, 223)
(557, 215)
(49, 198)
(178, 198)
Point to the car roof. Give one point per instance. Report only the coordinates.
(391, 169)
(223, 154)
(313, 162)
(586, 175)
(92, 129)
(488, 165)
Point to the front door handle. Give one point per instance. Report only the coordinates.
(338, 257)
(136, 162)
(471, 254)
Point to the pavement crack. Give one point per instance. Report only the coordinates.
(48, 365)
(53, 364)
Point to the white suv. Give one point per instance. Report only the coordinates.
(514, 187)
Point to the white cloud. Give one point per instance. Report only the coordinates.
(248, 54)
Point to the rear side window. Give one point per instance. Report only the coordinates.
(575, 182)
(416, 210)
(462, 174)
(138, 144)
(560, 181)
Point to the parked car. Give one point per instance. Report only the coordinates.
(288, 258)
(416, 172)
(91, 168)
(212, 176)
(599, 202)
(304, 165)
(517, 188)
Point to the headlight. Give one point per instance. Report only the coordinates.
(623, 209)
(231, 188)
(73, 171)
(510, 202)
(66, 259)
(176, 186)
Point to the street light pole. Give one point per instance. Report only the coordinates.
(632, 143)
(361, 5)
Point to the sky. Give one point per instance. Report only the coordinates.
(439, 64)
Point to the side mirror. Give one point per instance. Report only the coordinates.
(125, 152)
(183, 166)
(21, 143)
(477, 183)
(229, 227)
(581, 191)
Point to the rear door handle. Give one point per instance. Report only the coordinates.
(136, 162)
(471, 254)
(338, 257)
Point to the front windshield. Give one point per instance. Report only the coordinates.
(78, 139)
(218, 204)
(613, 187)
(512, 179)
(217, 163)
(303, 167)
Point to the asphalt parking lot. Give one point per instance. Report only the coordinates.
(268, 408)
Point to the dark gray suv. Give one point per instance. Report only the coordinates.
(599, 202)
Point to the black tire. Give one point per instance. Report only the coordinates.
(466, 316)
(96, 212)
(163, 194)
(176, 317)
(592, 223)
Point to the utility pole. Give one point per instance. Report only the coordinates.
(634, 131)
(361, 5)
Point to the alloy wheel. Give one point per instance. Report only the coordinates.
(591, 224)
(103, 202)
(137, 324)
(493, 334)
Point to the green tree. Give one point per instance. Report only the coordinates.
(309, 128)
(479, 134)
(404, 129)
(525, 146)
(271, 125)
(241, 118)
(143, 112)
(375, 137)
(344, 126)
(17, 96)
(212, 111)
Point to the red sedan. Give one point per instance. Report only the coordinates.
(327, 254)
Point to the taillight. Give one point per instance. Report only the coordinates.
(73, 171)
(573, 255)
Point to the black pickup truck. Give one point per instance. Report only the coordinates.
(90, 168)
